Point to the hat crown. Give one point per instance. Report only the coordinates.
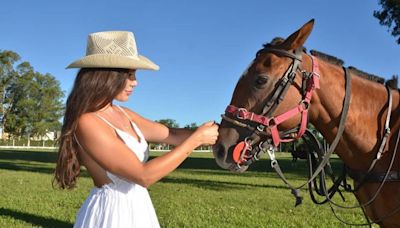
(112, 42)
(113, 49)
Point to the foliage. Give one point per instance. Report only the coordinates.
(169, 123)
(32, 102)
(197, 194)
(191, 126)
(389, 16)
(7, 73)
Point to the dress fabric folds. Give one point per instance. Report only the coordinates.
(121, 203)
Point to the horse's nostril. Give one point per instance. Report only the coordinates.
(219, 151)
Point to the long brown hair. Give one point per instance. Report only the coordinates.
(93, 89)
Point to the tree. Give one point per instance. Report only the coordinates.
(19, 101)
(389, 16)
(169, 123)
(7, 73)
(48, 95)
(191, 126)
(34, 103)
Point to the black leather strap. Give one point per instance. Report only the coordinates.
(378, 177)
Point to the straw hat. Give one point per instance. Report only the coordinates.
(113, 49)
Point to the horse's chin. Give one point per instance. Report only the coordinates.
(233, 167)
(238, 169)
(225, 161)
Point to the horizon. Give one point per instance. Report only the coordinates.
(202, 47)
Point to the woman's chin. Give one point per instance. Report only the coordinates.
(122, 99)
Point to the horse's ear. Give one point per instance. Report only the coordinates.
(298, 38)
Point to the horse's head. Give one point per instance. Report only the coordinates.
(272, 85)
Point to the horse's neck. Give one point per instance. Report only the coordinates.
(367, 113)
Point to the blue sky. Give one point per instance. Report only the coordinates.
(202, 47)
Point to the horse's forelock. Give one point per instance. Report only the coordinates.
(275, 42)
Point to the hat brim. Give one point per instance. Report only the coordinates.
(114, 61)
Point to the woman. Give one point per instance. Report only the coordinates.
(111, 141)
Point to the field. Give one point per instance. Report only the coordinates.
(198, 194)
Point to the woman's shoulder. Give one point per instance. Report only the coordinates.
(132, 114)
(86, 118)
(89, 122)
(135, 117)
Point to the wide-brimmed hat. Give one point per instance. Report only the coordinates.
(113, 49)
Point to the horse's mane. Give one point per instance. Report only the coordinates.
(366, 75)
(328, 58)
(392, 83)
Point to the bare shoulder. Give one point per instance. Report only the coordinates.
(152, 131)
(88, 121)
(89, 125)
(138, 119)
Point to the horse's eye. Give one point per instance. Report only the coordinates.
(260, 81)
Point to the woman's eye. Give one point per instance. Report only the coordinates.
(261, 81)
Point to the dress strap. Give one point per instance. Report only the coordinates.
(135, 127)
(106, 121)
(123, 111)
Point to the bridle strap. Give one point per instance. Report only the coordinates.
(343, 117)
(284, 52)
(272, 123)
(285, 82)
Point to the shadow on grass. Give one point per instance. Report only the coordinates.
(45, 157)
(217, 185)
(19, 161)
(25, 167)
(263, 165)
(34, 219)
(22, 161)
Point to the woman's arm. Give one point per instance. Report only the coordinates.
(156, 132)
(101, 143)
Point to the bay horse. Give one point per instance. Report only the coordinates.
(284, 88)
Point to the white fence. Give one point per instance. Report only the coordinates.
(55, 148)
(29, 147)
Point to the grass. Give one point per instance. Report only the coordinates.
(198, 194)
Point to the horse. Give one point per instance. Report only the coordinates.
(285, 88)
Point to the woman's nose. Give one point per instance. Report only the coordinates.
(133, 83)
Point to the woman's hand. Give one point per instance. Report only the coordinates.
(206, 134)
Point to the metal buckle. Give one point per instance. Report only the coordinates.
(271, 122)
(260, 128)
(305, 103)
(239, 112)
(316, 74)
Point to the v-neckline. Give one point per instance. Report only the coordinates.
(138, 139)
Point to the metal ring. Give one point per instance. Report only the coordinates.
(305, 103)
(238, 113)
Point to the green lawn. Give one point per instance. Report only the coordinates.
(198, 194)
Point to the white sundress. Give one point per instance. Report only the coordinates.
(121, 203)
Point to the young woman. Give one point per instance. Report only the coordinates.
(111, 141)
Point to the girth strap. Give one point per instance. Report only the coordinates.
(376, 177)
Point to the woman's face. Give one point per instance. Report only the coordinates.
(130, 83)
